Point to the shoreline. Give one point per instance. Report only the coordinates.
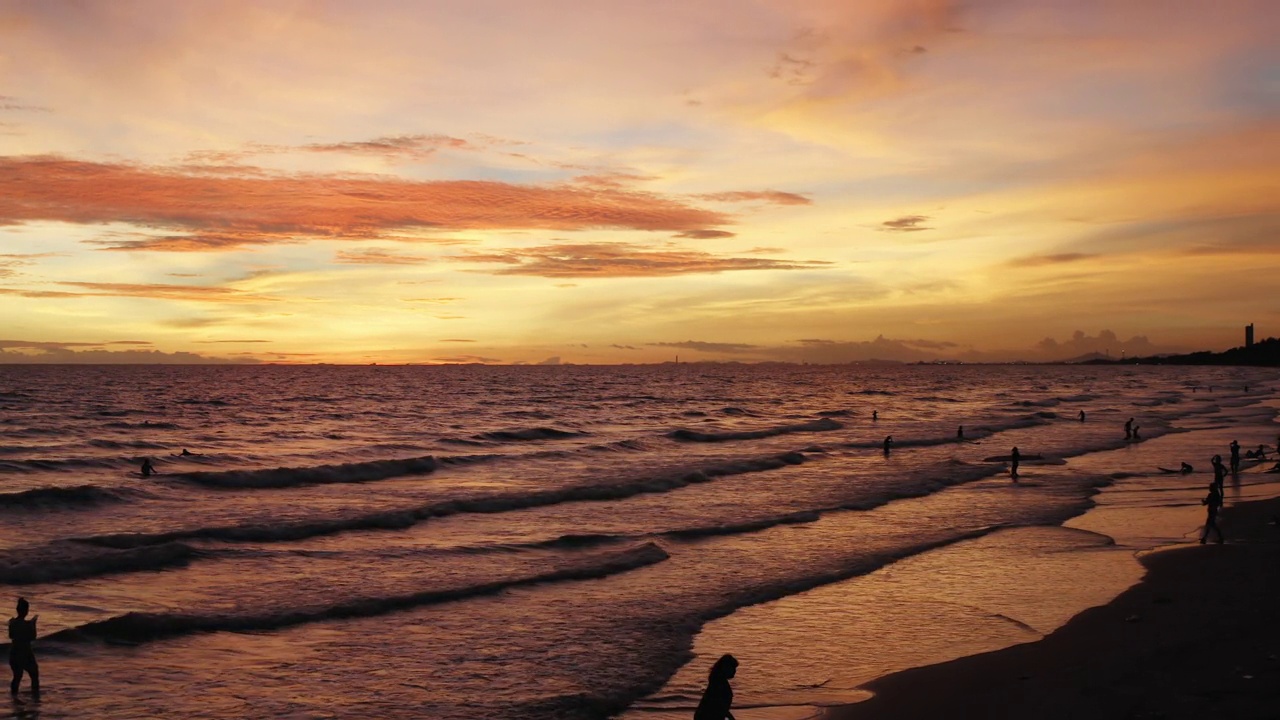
(1197, 637)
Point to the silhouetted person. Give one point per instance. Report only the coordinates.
(21, 658)
(1128, 429)
(1136, 428)
(1186, 468)
(888, 444)
(1014, 458)
(185, 452)
(875, 414)
(1219, 472)
(718, 697)
(1212, 501)
(1235, 456)
(1081, 416)
(1262, 452)
(960, 433)
(147, 468)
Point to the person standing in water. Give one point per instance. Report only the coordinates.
(888, 444)
(1212, 501)
(1128, 429)
(1219, 472)
(1014, 458)
(960, 433)
(147, 468)
(1081, 416)
(875, 414)
(1235, 456)
(718, 697)
(22, 632)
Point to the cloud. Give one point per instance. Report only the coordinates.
(209, 212)
(906, 223)
(551, 361)
(467, 359)
(432, 300)
(624, 347)
(391, 146)
(705, 234)
(709, 347)
(199, 293)
(1106, 342)
(210, 342)
(457, 340)
(40, 352)
(771, 196)
(620, 260)
(1042, 260)
(377, 256)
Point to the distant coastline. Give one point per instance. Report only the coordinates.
(1261, 354)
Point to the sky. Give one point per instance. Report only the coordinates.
(546, 181)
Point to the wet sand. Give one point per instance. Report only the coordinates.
(1199, 637)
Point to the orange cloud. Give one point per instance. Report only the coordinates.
(377, 256)
(621, 260)
(218, 212)
(200, 293)
(705, 234)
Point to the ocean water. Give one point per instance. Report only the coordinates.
(576, 542)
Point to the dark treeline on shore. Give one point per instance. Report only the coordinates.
(1265, 353)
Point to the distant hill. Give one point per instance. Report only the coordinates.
(1263, 354)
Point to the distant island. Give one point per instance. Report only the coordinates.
(1265, 353)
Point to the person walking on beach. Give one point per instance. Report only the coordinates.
(21, 659)
(718, 696)
(1212, 501)
(1128, 429)
(1014, 458)
(1219, 472)
(1235, 456)
(888, 444)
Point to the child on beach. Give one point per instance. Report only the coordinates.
(21, 659)
(718, 696)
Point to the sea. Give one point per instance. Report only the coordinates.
(573, 542)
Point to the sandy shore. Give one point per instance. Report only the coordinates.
(1199, 637)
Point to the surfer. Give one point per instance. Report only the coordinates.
(1128, 429)
(1235, 456)
(888, 444)
(21, 658)
(718, 697)
(1014, 458)
(147, 468)
(186, 452)
(1212, 502)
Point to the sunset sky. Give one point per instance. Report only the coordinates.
(604, 182)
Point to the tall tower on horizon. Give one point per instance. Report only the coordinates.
(1248, 335)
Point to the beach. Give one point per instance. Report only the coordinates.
(1197, 638)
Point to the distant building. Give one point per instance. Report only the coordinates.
(1248, 335)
